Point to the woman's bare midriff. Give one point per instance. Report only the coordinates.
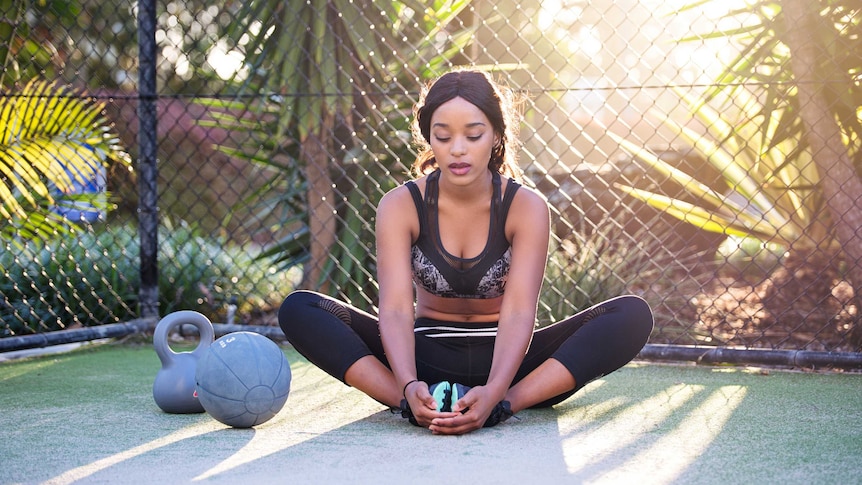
(457, 309)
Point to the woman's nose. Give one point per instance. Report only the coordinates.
(458, 147)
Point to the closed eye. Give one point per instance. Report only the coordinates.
(444, 139)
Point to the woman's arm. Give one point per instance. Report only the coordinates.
(528, 228)
(394, 237)
(397, 228)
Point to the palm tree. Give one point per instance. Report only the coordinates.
(806, 56)
(827, 123)
(769, 191)
(331, 66)
(53, 142)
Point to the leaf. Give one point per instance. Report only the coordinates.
(690, 213)
(52, 138)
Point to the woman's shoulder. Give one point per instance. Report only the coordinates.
(397, 209)
(528, 196)
(529, 213)
(399, 202)
(402, 192)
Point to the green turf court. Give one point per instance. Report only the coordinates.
(88, 416)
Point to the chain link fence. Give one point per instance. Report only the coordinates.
(688, 151)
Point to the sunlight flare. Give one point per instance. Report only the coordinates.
(90, 469)
(677, 450)
(627, 427)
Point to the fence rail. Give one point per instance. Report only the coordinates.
(681, 149)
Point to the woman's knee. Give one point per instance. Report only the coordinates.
(294, 307)
(638, 314)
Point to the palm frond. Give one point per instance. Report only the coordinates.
(51, 140)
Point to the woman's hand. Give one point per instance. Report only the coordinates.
(422, 404)
(469, 413)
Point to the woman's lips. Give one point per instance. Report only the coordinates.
(459, 168)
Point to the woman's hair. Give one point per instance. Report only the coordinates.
(496, 102)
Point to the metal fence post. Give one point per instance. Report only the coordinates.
(148, 221)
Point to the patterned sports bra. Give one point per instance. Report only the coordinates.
(445, 275)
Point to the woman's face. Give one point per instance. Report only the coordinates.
(462, 139)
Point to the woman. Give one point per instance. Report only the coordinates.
(461, 253)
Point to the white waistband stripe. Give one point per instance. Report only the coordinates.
(456, 331)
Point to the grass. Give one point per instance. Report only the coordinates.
(88, 417)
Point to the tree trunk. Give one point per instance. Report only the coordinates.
(321, 208)
(842, 187)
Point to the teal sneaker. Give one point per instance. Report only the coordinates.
(446, 394)
(457, 392)
(442, 394)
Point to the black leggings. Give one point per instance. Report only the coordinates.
(595, 342)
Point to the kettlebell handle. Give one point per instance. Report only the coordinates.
(167, 324)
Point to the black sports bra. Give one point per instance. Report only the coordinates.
(445, 275)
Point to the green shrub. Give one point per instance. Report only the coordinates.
(205, 273)
(590, 267)
(91, 277)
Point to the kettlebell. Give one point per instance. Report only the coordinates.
(174, 387)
